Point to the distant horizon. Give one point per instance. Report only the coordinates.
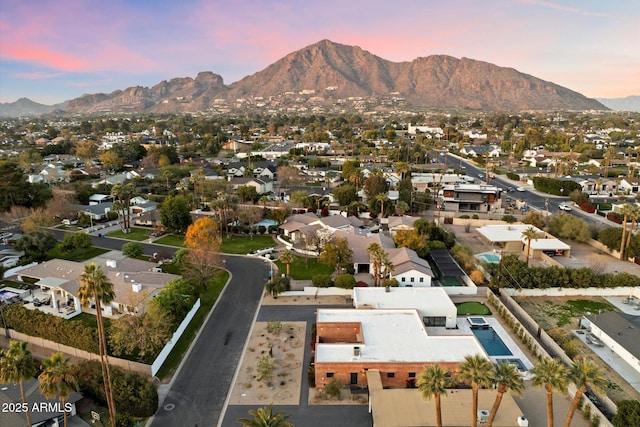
(586, 46)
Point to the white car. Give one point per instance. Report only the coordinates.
(564, 207)
(519, 189)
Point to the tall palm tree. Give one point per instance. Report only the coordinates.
(433, 383)
(287, 257)
(507, 378)
(584, 373)
(625, 211)
(529, 234)
(475, 369)
(634, 215)
(264, 417)
(376, 252)
(94, 285)
(553, 376)
(57, 380)
(17, 366)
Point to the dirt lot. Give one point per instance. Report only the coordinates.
(560, 316)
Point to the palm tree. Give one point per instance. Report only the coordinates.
(382, 197)
(57, 380)
(475, 369)
(584, 373)
(287, 257)
(626, 210)
(507, 378)
(552, 375)
(94, 285)
(529, 234)
(634, 215)
(377, 253)
(264, 417)
(433, 382)
(17, 366)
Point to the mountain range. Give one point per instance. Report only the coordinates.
(328, 72)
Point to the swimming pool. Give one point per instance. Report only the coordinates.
(491, 342)
(477, 322)
(517, 363)
(489, 257)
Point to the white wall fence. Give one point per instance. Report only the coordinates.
(543, 345)
(164, 353)
(622, 291)
(12, 271)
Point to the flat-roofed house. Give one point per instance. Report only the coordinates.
(619, 332)
(433, 304)
(395, 341)
(508, 238)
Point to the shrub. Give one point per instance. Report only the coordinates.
(390, 283)
(132, 249)
(474, 216)
(509, 219)
(513, 176)
(615, 217)
(311, 375)
(322, 281)
(477, 277)
(464, 217)
(587, 206)
(345, 281)
(274, 327)
(134, 393)
(261, 229)
(333, 388)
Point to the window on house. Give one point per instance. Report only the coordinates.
(329, 374)
(421, 279)
(403, 279)
(413, 279)
(412, 374)
(391, 374)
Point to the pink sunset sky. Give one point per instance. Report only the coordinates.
(52, 51)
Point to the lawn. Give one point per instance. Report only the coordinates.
(214, 288)
(473, 308)
(137, 234)
(558, 312)
(79, 256)
(305, 268)
(245, 244)
(171, 240)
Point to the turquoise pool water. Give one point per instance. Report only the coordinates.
(491, 342)
(490, 258)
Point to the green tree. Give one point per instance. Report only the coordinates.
(175, 299)
(569, 227)
(345, 194)
(17, 366)
(175, 214)
(36, 244)
(507, 378)
(96, 287)
(375, 184)
(628, 413)
(476, 370)
(16, 191)
(337, 252)
(132, 249)
(433, 382)
(287, 257)
(584, 373)
(265, 417)
(75, 243)
(58, 380)
(553, 376)
(144, 334)
(529, 234)
(248, 193)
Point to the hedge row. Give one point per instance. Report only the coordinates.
(38, 324)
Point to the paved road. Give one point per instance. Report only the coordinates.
(198, 391)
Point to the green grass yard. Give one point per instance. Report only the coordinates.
(472, 308)
(79, 256)
(138, 234)
(171, 240)
(245, 244)
(305, 268)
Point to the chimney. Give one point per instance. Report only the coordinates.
(136, 287)
(111, 263)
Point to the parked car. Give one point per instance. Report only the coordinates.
(564, 207)
(519, 189)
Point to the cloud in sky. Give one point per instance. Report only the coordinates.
(103, 46)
